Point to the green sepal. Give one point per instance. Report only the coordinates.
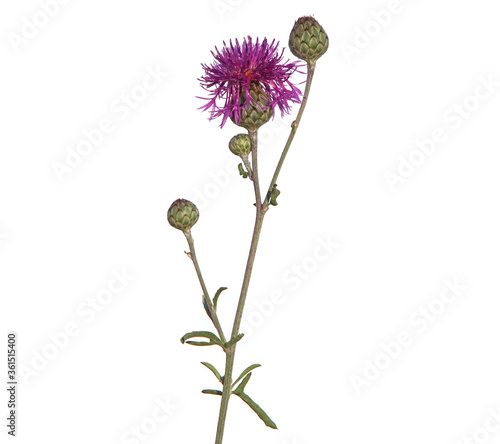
(212, 392)
(244, 372)
(214, 371)
(214, 340)
(234, 340)
(242, 172)
(217, 294)
(257, 409)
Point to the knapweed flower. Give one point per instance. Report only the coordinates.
(247, 78)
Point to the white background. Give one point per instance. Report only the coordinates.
(61, 240)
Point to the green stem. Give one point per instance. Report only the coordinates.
(310, 73)
(259, 219)
(230, 353)
(248, 274)
(255, 170)
(246, 162)
(192, 255)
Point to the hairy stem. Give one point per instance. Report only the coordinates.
(192, 255)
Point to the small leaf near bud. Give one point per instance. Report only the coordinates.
(242, 172)
(273, 195)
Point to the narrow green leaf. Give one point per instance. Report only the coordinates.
(212, 392)
(239, 390)
(257, 409)
(203, 334)
(214, 371)
(216, 297)
(200, 343)
(234, 340)
(242, 172)
(244, 372)
(205, 306)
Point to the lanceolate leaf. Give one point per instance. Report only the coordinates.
(244, 372)
(199, 343)
(212, 392)
(214, 340)
(214, 371)
(217, 294)
(257, 409)
(234, 340)
(239, 390)
(205, 306)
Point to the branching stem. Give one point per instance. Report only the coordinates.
(261, 209)
(311, 66)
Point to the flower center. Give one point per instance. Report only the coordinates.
(249, 73)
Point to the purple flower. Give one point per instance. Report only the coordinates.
(236, 67)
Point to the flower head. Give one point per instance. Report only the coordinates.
(240, 145)
(308, 40)
(183, 214)
(238, 69)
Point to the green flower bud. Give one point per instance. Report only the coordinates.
(257, 112)
(308, 40)
(241, 145)
(183, 214)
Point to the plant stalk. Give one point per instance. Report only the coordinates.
(192, 255)
(230, 353)
(261, 210)
(311, 66)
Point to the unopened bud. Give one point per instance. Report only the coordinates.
(183, 214)
(241, 145)
(308, 40)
